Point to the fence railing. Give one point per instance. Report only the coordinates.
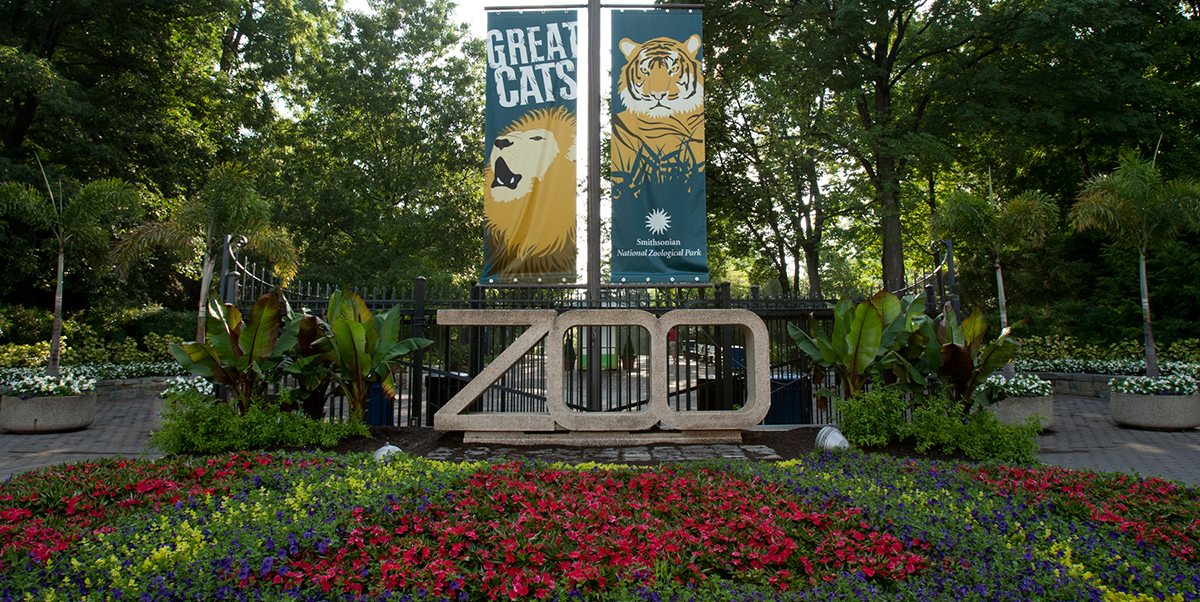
(606, 368)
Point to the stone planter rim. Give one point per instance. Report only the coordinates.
(56, 414)
(1156, 412)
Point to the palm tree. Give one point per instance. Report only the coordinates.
(77, 225)
(1139, 209)
(227, 205)
(998, 226)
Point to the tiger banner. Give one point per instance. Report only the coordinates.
(529, 129)
(659, 226)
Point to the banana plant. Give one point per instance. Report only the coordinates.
(362, 348)
(240, 356)
(313, 372)
(966, 361)
(884, 335)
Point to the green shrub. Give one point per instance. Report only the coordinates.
(158, 346)
(92, 351)
(195, 423)
(874, 418)
(1187, 350)
(155, 319)
(15, 355)
(1056, 347)
(938, 424)
(986, 438)
(25, 325)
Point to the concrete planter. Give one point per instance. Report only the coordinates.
(1156, 412)
(1016, 410)
(47, 414)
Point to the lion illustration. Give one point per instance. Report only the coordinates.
(529, 202)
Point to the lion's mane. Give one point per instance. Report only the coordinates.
(535, 234)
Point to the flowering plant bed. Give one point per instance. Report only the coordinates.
(40, 385)
(1176, 384)
(97, 371)
(1022, 385)
(1116, 367)
(831, 526)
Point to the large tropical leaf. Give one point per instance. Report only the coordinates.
(348, 305)
(217, 329)
(974, 328)
(258, 337)
(843, 316)
(350, 343)
(866, 332)
(204, 360)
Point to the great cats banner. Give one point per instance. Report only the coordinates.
(659, 231)
(529, 196)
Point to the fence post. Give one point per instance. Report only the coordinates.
(417, 385)
(475, 338)
(726, 347)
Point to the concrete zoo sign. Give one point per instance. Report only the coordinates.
(553, 326)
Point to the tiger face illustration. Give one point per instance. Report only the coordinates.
(660, 134)
(529, 199)
(661, 77)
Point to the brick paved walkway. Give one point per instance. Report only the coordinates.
(1084, 436)
(122, 428)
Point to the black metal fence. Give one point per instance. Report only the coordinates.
(606, 368)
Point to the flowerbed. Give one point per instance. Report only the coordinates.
(1115, 367)
(9, 376)
(833, 526)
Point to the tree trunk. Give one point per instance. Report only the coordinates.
(816, 223)
(1009, 371)
(812, 265)
(205, 283)
(56, 329)
(889, 215)
(1000, 295)
(1151, 358)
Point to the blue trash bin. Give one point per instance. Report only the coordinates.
(787, 400)
(379, 407)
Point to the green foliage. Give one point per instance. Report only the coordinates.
(24, 325)
(382, 179)
(884, 336)
(158, 347)
(1187, 351)
(938, 424)
(362, 348)
(93, 351)
(242, 356)
(874, 418)
(986, 438)
(14, 355)
(966, 361)
(194, 423)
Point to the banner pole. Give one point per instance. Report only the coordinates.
(593, 206)
(593, 225)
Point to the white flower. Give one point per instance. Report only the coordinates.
(50, 386)
(1177, 384)
(1023, 385)
(187, 384)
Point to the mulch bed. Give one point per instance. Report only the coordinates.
(788, 445)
